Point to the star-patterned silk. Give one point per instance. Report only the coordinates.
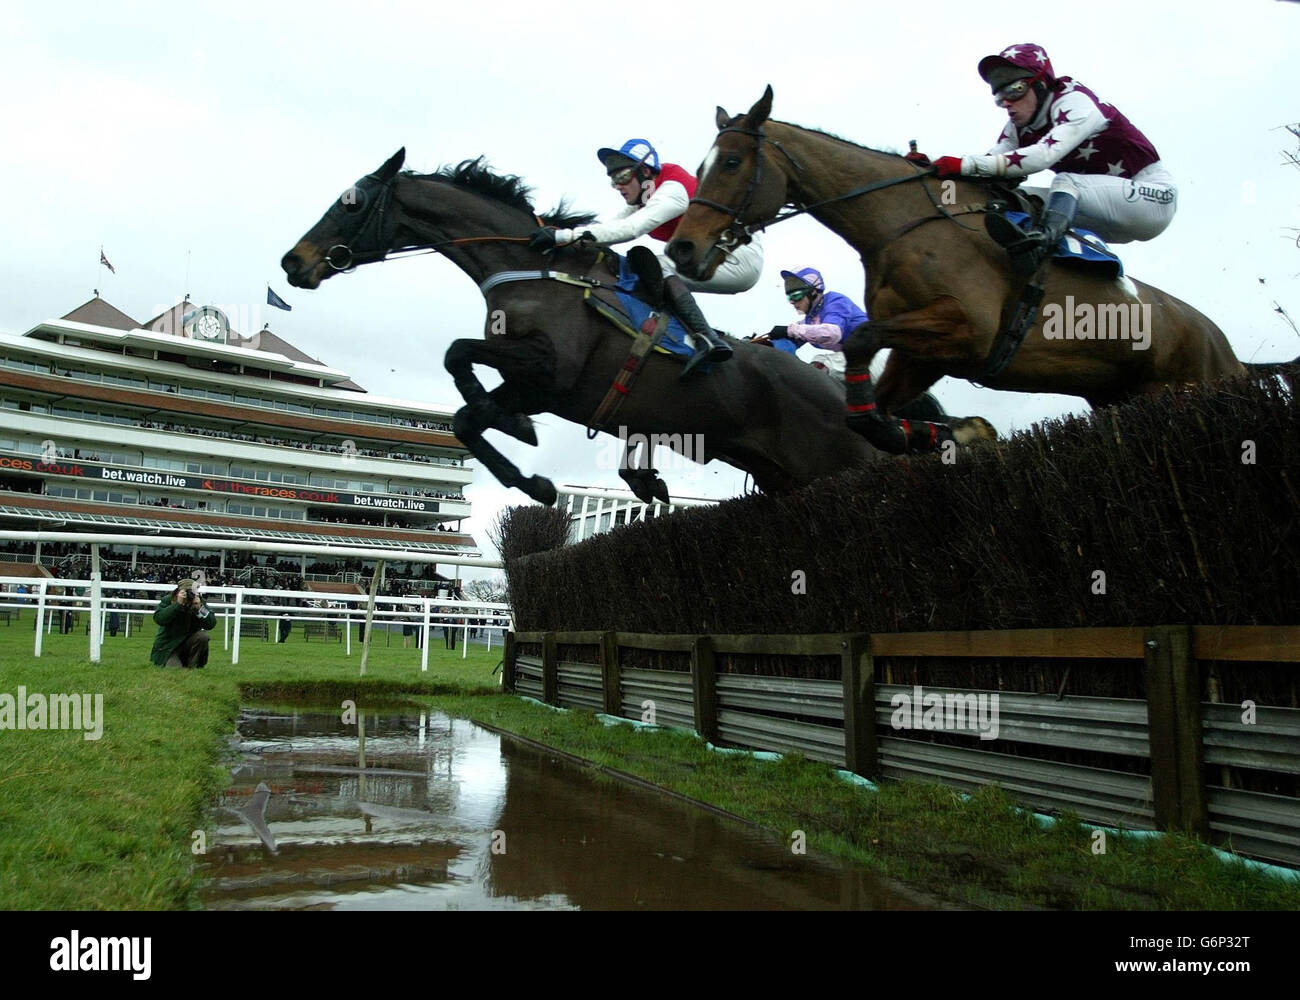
(1077, 126)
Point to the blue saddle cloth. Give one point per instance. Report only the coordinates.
(1073, 249)
(673, 340)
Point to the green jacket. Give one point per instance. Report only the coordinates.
(175, 625)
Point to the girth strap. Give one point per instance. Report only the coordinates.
(506, 277)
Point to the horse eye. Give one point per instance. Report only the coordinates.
(731, 163)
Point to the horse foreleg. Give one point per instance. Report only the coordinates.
(902, 382)
(482, 412)
(895, 435)
(643, 480)
(460, 359)
(868, 413)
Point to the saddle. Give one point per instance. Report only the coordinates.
(1008, 207)
(1007, 211)
(633, 295)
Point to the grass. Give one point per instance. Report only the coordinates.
(109, 824)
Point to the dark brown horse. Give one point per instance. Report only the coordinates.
(938, 288)
(763, 411)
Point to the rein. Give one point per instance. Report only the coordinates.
(741, 232)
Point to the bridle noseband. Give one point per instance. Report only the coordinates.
(372, 224)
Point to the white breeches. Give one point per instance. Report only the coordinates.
(738, 272)
(1117, 209)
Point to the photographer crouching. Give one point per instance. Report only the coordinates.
(183, 625)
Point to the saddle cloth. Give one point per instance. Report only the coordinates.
(673, 340)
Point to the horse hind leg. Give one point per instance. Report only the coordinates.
(642, 480)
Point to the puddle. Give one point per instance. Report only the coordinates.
(408, 810)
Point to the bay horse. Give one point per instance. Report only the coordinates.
(938, 288)
(764, 412)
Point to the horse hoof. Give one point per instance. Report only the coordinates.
(542, 490)
(968, 430)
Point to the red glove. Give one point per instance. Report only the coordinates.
(948, 166)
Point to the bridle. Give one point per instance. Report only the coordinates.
(341, 256)
(739, 232)
(736, 231)
(378, 223)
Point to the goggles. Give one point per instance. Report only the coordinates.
(621, 177)
(1012, 92)
(799, 294)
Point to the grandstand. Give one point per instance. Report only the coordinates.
(181, 426)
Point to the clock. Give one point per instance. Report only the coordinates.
(207, 323)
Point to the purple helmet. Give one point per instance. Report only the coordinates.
(807, 276)
(1016, 63)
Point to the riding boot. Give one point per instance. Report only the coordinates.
(1029, 249)
(682, 305)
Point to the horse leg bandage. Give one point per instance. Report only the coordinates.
(889, 434)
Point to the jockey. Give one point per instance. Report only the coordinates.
(657, 195)
(1107, 171)
(830, 317)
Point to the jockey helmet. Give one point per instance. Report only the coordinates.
(633, 153)
(805, 277)
(1017, 62)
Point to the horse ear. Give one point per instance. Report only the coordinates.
(723, 119)
(761, 109)
(389, 170)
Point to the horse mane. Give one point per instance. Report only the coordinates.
(508, 189)
(840, 138)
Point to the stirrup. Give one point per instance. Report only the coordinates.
(1025, 250)
(1006, 233)
(700, 356)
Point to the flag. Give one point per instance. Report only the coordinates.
(104, 261)
(274, 300)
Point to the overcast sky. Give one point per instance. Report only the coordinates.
(157, 129)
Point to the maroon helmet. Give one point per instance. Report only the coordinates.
(1017, 62)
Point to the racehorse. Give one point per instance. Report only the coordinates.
(763, 411)
(938, 289)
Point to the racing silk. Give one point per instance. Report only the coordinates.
(836, 317)
(656, 216)
(1076, 133)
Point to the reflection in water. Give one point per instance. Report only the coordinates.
(410, 810)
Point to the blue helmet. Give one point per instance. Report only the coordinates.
(804, 277)
(631, 153)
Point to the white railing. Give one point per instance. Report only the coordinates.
(235, 606)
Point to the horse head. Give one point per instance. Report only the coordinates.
(740, 188)
(358, 228)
